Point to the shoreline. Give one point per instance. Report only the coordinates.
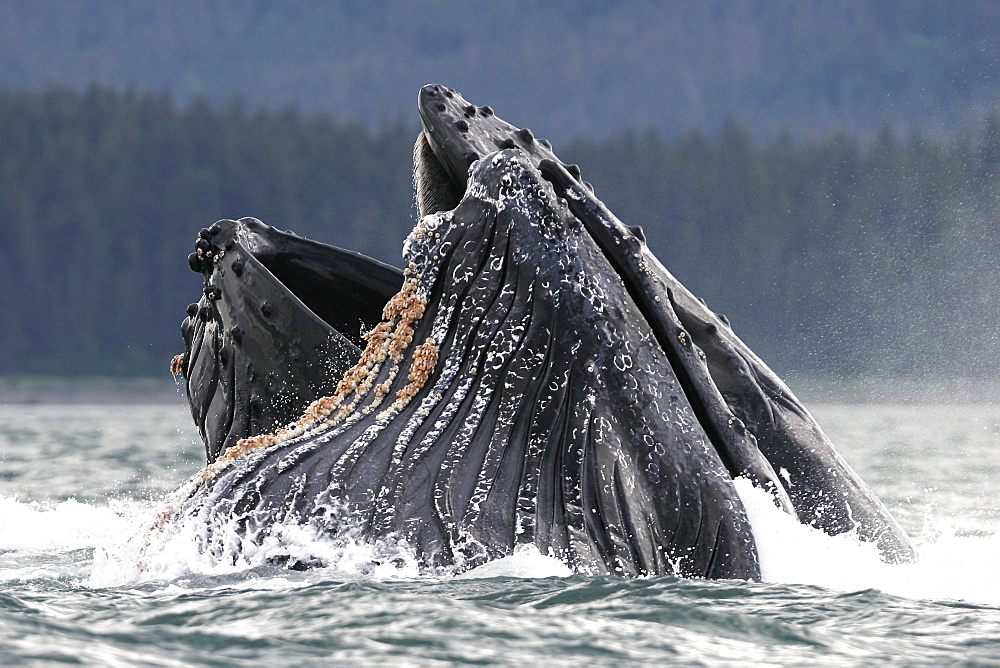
(810, 390)
(49, 390)
(895, 391)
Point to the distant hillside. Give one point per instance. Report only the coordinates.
(564, 67)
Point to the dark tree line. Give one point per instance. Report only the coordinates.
(588, 65)
(835, 256)
(832, 257)
(102, 195)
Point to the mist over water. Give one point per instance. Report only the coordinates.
(80, 484)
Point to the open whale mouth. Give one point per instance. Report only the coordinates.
(538, 377)
(279, 323)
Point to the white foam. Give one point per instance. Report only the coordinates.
(135, 555)
(525, 562)
(949, 566)
(70, 525)
(165, 555)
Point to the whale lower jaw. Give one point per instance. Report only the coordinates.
(279, 323)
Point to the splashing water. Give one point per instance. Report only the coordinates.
(949, 566)
(81, 488)
(34, 536)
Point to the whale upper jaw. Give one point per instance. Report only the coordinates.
(755, 422)
(460, 133)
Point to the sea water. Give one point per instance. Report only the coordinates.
(78, 483)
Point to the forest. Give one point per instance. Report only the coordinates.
(837, 255)
(806, 66)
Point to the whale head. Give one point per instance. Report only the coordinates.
(539, 377)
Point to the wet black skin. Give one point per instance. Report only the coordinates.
(744, 406)
(582, 400)
(279, 323)
(551, 416)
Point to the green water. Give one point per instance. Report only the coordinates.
(78, 481)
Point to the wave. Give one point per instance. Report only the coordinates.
(109, 544)
(949, 565)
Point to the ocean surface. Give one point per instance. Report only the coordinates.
(79, 485)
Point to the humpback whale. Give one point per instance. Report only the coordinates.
(533, 375)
